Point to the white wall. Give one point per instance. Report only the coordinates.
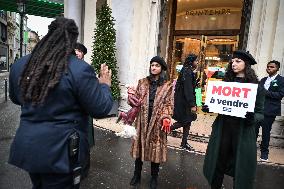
(137, 32)
(267, 33)
(73, 10)
(89, 27)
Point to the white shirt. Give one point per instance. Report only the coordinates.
(268, 81)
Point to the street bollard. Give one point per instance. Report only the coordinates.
(6, 89)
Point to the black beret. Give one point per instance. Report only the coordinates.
(245, 56)
(81, 47)
(160, 61)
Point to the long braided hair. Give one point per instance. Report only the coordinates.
(48, 60)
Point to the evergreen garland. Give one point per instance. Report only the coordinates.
(104, 47)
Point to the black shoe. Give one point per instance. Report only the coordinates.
(135, 180)
(187, 147)
(153, 182)
(263, 157)
(174, 133)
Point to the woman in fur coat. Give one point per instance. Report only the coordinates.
(156, 96)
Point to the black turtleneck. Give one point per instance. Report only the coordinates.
(232, 120)
(152, 93)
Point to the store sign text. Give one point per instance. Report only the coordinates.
(208, 12)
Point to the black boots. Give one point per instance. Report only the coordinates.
(154, 175)
(153, 182)
(137, 173)
(186, 127)
(186, 146)
(217, 180)
(136, 179)
(184, 143)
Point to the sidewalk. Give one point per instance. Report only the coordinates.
(201, 127)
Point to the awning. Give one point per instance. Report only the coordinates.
(44, 8)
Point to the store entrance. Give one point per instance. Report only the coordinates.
(214, 54)
(209, 29)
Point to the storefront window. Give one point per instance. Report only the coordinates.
(3, 58)
(209, 29)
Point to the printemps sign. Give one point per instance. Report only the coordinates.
(208, 12)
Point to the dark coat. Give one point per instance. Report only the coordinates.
(243, 166)
(151, 142)
(273, 97)
(184, 98)
(41, 141)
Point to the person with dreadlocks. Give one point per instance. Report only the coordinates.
(56, 92)
(184, 100)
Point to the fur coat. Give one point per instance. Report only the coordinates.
(151, 142)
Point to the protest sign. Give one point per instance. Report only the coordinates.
(231, 98)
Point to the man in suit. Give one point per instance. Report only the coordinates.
(57, 93)
(273, 87)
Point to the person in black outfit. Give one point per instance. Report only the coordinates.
(273, 87)
(231, 149)
(184, 99)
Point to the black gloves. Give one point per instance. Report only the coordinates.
(250, 115)
(249, 120)
(205, 109)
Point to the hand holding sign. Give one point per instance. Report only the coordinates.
(231, 98)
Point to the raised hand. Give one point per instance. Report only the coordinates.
(105, 75)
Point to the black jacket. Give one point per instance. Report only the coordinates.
(273, 96)
(184, 98)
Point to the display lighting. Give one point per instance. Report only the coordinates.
(212, 58)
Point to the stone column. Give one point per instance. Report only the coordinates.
(89, 27)
(73, 10)
(266, 27)
(278, 48)
(136, 34)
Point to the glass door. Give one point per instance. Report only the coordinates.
(214, 53)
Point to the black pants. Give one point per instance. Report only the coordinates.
(266, 125)
(185, 129)
(227, 152)
(154, 168)
(51, 181)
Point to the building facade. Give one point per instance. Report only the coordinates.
(213, 29)
(3, 42)
(13, 32)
